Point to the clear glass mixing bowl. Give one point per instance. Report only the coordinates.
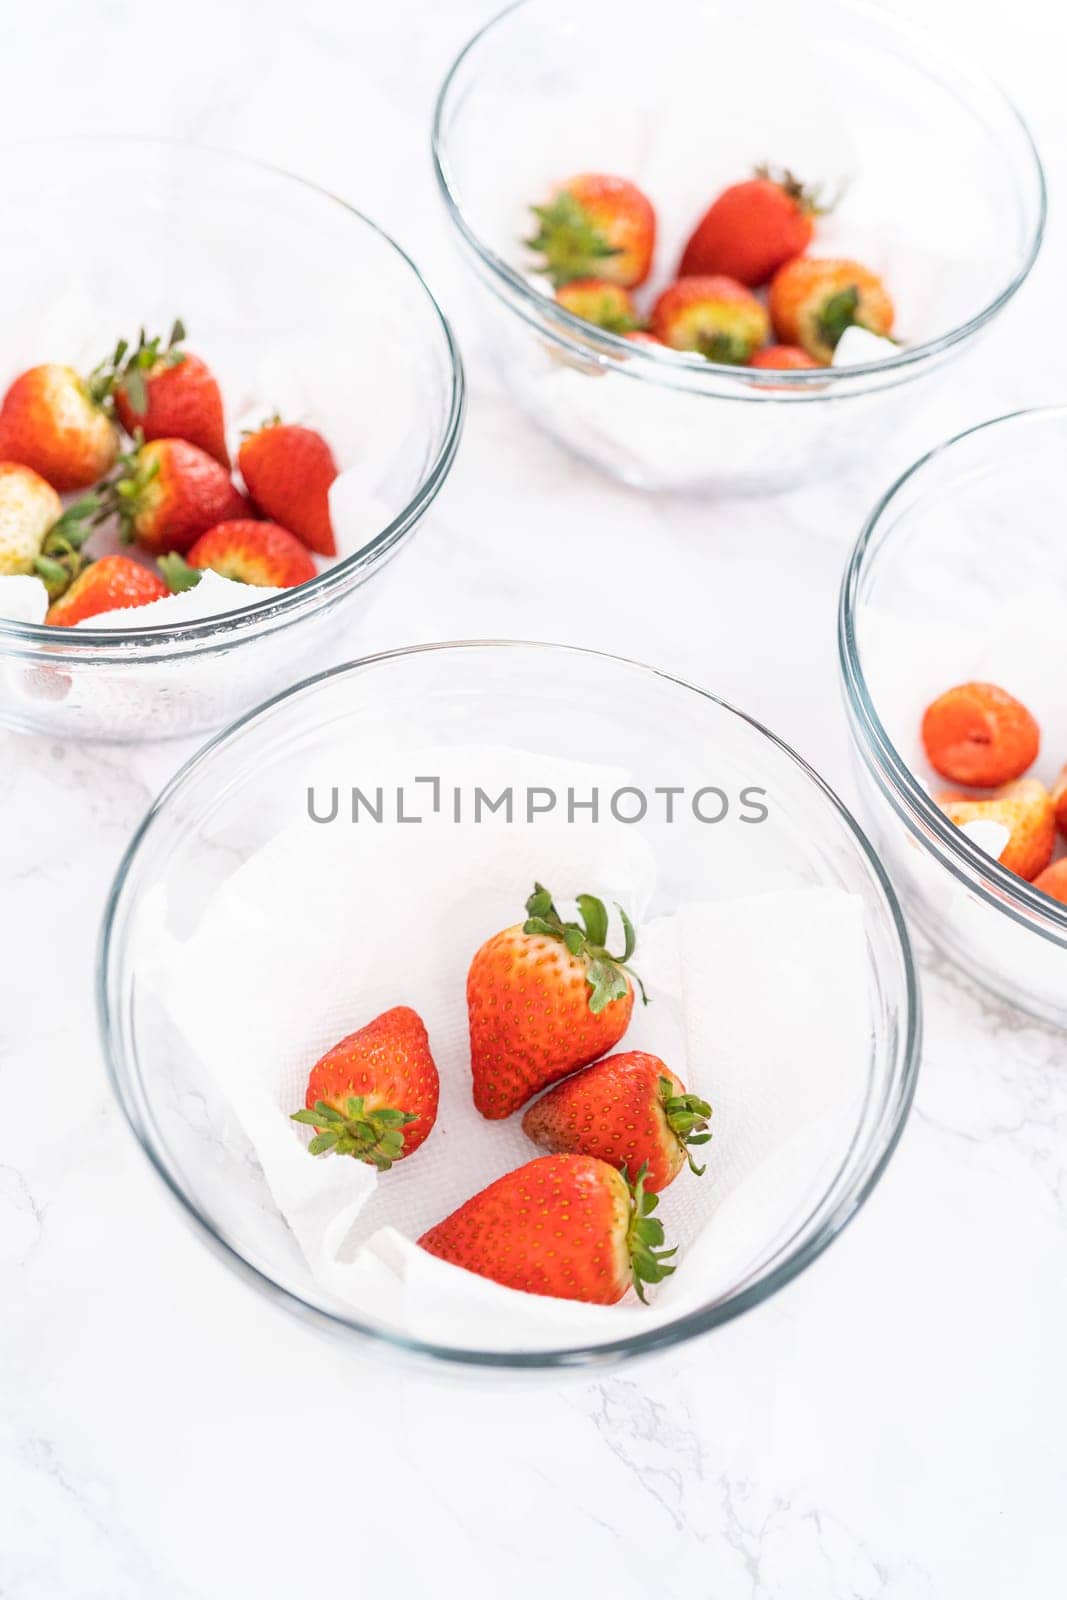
(810, 1096)
(299, 304)
(960, 574)
(838, 91)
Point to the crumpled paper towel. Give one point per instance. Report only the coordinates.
(760, 1003)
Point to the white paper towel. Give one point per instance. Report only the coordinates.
(760, 1004)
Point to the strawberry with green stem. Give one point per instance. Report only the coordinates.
(629, 1110)
(545, 997)
(36, 535)
(596, 226)
(374, 1095)
(247, 551)
(165, 392)
(568, 1226)
(168, 492)
(59, 424)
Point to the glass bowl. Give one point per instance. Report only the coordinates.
(253, 921)
(301, 305)
(550, 89)
(959, 575)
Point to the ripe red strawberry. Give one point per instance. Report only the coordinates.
(783, 358)
(596, 226)
(169, 492)
(544, 997)
(54, 421)
(715, 317)
(247, 551)
(288, 471)
(563, 1225)
(110, 584)
(630, 1111)
(752, 229)
(605, 304)
(813, 301)
(374, 1095)
(168, 393)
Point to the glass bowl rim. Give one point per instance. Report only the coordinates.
(969, 864)
(108, 645)
(641, 361)
(766, 1284)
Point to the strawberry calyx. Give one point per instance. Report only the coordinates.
(687, 1117)
(728, 349)
(177, 574)
(376, 1136)
(607, 975)
(837, 313)
(126, 368)
(569, 240)
(123, 495)
(644, 1236)
(808, 197)
(60, 559)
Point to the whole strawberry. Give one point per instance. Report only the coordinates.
(37, 537)
(113, 583)
(596, 226)
(714, 317)
(544, 998)
(56, 422)
(288, 471)
(604, 304)
(165, 392)
(374, 1095)
(752, 229)
(259, 553)
(812, 301)
(168, 492)
(629, 1110)
(564, 1225)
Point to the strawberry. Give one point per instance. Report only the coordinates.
(374, 1095)
(605, 304)
(629, 1110)
(55, 422)
(543, 998)
(752, 229)
(979, 734)
(110, 584)
(169, 492)
(812, 303)
(1053, 880)
(288, 471)
(168, 393)
(37, 536)
(1059, 800)
(1025, 809)
(783, 358)
(249, 552)
(596, 226)
(562, 1225)
(716, 317)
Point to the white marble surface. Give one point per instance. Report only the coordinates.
(891, 1427)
